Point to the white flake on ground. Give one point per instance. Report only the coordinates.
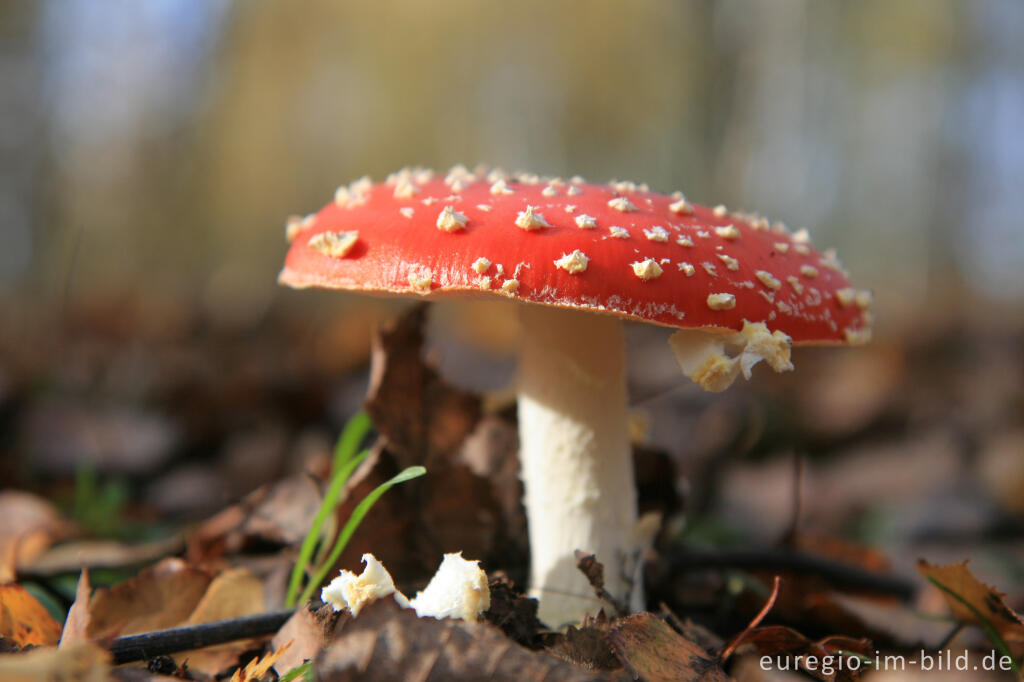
(353, 591)
(457, 590)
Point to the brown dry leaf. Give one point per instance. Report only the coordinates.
(258, 667)
(513, 612)
(651, 650)
(69, 557)
(423, 417)
(23, 620)
(812, 600)
(233, 593)
(387, 642)
(30, 526)
(307, 631)
(778, 640)
(974, 599)
(160, 597)
(278, 513)
(81, 662)
(587, 646)
(77, 623)
(593, 569)
(462, 504)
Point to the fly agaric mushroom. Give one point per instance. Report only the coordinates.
(582, 258)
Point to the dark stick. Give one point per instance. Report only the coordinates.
(163, 642)
(839, 575)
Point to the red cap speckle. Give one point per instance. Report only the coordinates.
(522, 226)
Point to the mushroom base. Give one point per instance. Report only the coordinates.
(576, 459)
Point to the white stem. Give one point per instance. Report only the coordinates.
(575, 455)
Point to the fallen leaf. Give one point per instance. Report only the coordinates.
(387, 642)
(587, 646)
(423, 417)
(308, 631)
(23, 620)
(459, 505)
(972, 601)
(233, 593)
(30, 526)
(258, 667)
(512, 612)
(77, 623)
(70, 557)
(160, 597)
(811, 600)
(651, 650)
(778, 640)
(279, 513)
(81, 662)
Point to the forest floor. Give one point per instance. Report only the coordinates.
(161, 470)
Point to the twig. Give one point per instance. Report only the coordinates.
(839, 575)
(163, 642)
(738, 639)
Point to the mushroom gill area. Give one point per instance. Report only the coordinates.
(714, 360)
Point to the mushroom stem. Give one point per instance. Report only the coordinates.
(575, 455)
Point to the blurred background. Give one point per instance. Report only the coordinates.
(150, 152)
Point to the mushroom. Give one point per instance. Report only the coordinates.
(582, 258)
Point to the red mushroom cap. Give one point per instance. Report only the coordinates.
(617, 248)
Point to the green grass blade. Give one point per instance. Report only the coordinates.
(327, 507)
(353, 522)
(305, 670)
(350, 439)
(993, 636)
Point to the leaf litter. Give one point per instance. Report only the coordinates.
(236, 563)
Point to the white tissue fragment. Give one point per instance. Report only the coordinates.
(458, 590)
(702, 355)
(353, 591)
